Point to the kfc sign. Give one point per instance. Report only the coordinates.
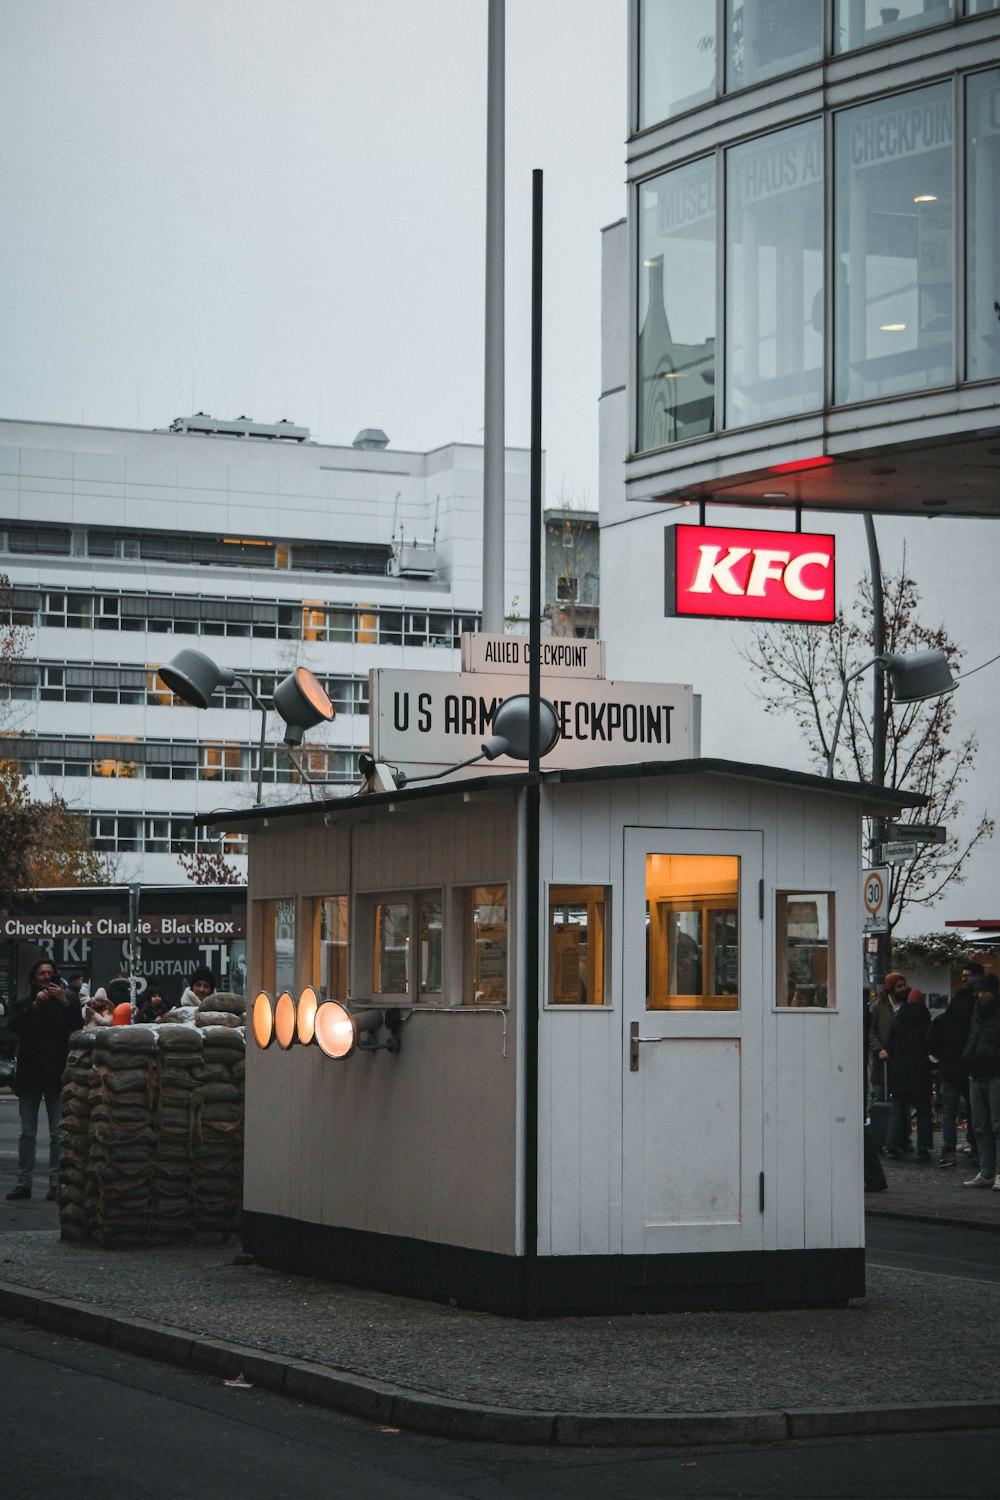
(720, 572)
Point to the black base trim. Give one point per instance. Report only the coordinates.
(558, 1284)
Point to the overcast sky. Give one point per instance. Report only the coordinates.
(276, 207)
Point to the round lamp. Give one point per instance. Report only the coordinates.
(305, 1015)
(302, 702)
(284, 1020)
(511, 724)
(262, 1019)
(193, 677)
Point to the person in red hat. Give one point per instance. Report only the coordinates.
(880, 1019)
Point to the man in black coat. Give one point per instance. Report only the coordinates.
(946, 1041)
(982, 1055)
(910, 1078)
(43, 1024)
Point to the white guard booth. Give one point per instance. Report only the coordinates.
(665, 1112)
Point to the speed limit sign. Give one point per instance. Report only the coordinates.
(875, 893)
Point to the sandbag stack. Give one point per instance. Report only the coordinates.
(153, 1120)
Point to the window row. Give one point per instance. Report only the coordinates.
(122, 833)
(692, 52)
(405, 955)
(186, 548)
(791, 342)
(64, 682)
(312, 620)
(170, 760)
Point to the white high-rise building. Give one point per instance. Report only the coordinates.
(252, 544)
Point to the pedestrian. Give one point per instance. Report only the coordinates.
(76, 985)
(199, 987)
(910, 1078)
(946, 1041)
(982, 1055)
(43, 1023)
(881, 1016)
(98, 1010)
(154, 1005)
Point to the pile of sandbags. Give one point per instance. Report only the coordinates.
(153, 1121)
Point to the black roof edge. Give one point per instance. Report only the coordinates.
(860, 791)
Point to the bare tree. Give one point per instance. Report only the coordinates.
(802, 670)
(209, 867)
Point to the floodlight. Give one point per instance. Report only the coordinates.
(301, 702)
(305, 1015)
(925, 674)
(262, 1019)
(284, 1021)
(511, 728)
(340, 1031)
(193, 677)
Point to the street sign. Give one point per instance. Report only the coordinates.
(875, 894)
(899, 853)
(918, 833)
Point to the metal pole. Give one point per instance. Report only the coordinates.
(532, 883)
(493, 414)
(878, 717)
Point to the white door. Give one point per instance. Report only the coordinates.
(692, 1002)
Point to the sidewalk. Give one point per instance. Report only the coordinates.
(673, 1378)
(934, 1195)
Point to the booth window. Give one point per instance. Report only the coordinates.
(396, 921)
(804, 959)
(330, 946)
(692, 932)
(486, 945)
(277, 944)
(577, 951)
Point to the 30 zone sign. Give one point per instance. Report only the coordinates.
(723, 573)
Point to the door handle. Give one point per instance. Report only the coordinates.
(635, 1041)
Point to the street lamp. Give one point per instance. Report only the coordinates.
(925, 674)
(300, 699)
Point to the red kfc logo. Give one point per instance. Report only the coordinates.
(724, 573)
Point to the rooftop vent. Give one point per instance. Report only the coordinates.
(240, 427)
(371, 437)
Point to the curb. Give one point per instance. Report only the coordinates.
(946, 1221)
(447, 1417)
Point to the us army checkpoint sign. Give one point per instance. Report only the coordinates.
(431, 719)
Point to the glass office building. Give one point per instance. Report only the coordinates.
(815, 243)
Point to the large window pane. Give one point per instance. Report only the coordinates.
(862, 23)
(576, 944)
(983, 224)
(676, 346)
(692, 932)
(486, 945)
(768, 37)
(805, 966)
(894, 290)
(676, 57)
(774, 261)
(330, 951)
(392, 948)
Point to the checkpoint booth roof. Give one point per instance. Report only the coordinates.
(666, 1113)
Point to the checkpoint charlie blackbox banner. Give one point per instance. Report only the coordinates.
(440, 718)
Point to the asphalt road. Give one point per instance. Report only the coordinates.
(87, 1421)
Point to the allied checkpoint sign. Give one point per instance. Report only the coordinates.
(436, 719)
(730, 573)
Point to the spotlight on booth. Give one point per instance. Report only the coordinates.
(299, 699)
(305, 1015)
(302, 703)
(262, 1019)
(511, 729)
(340, 1031)
(925, 674)
(285, 1031)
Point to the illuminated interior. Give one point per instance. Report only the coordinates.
(576, 944)
(692, 932)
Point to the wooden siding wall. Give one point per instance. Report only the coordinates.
(421, 1144)
(812, 1086)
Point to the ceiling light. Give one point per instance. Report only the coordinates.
(892, 327)
(926, 198)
